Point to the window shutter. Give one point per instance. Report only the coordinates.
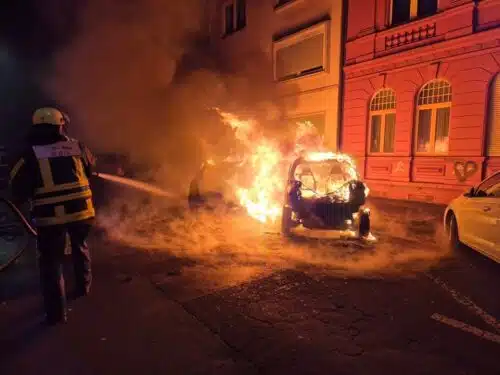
(300, 58)
(494, 119)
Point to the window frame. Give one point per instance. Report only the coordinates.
(322, 28)
(433, 125)
(303, 116)
(235, 28)
(382, 113)
(413, 12)
(493, 123)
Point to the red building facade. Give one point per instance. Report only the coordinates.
(421, 103)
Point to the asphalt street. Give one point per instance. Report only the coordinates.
(403, 305)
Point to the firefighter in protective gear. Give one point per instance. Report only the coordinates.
(53, 173)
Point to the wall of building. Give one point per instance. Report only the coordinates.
(460, 45)
(252, 49)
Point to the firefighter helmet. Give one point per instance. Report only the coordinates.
(50, 116)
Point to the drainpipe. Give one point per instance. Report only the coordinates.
(343, 38)
(474, 17)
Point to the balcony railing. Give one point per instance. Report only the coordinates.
(411, 36)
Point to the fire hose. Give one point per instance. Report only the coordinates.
(31, 231)
(26, 224)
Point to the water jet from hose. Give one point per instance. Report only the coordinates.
(139, 185)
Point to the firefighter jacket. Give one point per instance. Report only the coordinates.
(54, 173)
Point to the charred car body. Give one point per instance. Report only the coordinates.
(324, 192)
(209, 188)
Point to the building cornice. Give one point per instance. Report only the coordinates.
(472, 43)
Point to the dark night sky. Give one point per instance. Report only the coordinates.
(30, 32)
(33, 29)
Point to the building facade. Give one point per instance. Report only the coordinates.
(296, 43)
(422, 95)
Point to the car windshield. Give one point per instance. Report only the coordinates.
(324, 177)
(489, 187)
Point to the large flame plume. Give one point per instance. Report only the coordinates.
(267, 162)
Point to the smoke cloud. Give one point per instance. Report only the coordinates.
(230, 243)
(140, 78)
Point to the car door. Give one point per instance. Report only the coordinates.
(493, 208)
(482, 221)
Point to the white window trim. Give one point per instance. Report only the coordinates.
(434, 107)
(318, 29)
(382, 113)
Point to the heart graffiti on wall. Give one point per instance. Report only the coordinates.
(464, 169)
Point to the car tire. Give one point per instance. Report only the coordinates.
(286, 222)
(452, 233)
(364, 224)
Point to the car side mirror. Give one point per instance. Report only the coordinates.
(469, 193)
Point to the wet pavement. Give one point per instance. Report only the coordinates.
(158, 312)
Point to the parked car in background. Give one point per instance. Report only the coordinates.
(473, 219)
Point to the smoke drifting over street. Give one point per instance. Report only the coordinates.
(222, 241)
(139, 78)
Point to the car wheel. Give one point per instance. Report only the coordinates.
(286, 221)
(364, 224)
(452, 233)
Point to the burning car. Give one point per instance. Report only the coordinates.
(209, 188)
(324, 192)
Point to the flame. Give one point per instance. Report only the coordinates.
(266, 164)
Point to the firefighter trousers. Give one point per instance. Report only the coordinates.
(51, 243)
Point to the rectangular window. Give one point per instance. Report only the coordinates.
(301, 54)
(406, 10)
(241, 14)
(389, 132)
(400, 11)
(426, 7)
(375, 133)
(318, 120)
(433, 129)
(424, 130)
(235, 16)
(442, 130)
(382, 131)
(494, 119)
(228, 19)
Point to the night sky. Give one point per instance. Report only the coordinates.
(30, 32)
(33, 29)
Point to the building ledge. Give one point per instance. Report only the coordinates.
(453, 48)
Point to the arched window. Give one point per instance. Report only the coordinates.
(494, 119)
(382, 121)
(433, 118)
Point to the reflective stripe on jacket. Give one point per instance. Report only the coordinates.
(61, 192)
